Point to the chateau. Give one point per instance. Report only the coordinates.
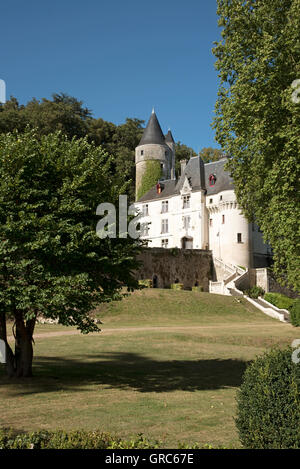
(196, 211)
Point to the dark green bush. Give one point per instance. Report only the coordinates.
(268, 402)
(78, 439)
(279, 300)
(295, 313)
(81, 439)
(255, 292)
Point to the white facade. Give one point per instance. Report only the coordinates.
(199, 211)
(176, 218)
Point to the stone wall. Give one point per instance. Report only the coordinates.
(263, 278)
(191, 267)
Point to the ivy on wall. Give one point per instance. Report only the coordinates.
(150, 177)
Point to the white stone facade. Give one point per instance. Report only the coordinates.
(200, 211)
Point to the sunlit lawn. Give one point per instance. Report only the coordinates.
(174, 383)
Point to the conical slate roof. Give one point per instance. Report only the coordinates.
(169, 137)
(153, 132)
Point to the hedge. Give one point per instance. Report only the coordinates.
(279, 300)
(80, 439)
(295, 313)
(268, 402)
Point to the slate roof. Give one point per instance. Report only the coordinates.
(223, 180)
(168, 190)
(198, 174)
(169, 137)
(194, 172)
(153, 132)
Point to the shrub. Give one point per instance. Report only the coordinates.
(255, 292)
(81, 439)
(268, 410)
(78, 439)
(279, 300)
(295, 313)
(197, 288)
(146, 283)
(177, 286)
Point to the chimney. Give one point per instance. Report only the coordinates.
(183, 165)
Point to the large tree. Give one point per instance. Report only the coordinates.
(258, 118)
(52, 263)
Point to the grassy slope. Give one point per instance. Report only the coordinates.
(176, 384)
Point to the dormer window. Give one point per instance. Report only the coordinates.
(186, 201)
(212, 179)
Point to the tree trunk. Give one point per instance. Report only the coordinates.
(23, 357)
(23, 347)
(19, 364)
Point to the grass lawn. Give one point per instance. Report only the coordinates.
(166, 364)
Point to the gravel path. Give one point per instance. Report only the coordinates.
(45, 335)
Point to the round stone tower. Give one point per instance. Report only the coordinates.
(153, 157)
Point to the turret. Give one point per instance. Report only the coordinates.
(154, 157)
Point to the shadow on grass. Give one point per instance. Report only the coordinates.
(128, 371)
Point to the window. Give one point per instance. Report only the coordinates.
(145, 210)
(164, 206)
(190, 181)
(223, 219)
(164, 243)
(186, 222)
(210, 222)
(186, 201)
(212, 179)
(221, 197)
(164, 226)
(210, 201)
(239, 237)
(142, 152)
(144, 229)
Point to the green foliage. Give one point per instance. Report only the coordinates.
(279, 300)
(151, 176)
(257, 123)
(146, 283)
(63, 113)
(77, 439)
(295, 313)
(210, 154)
(81, 439)
(255, 292)
(199, 289)
(174, 251)
(68, 115)
(176, 286)
(268, 411)
(51, 260)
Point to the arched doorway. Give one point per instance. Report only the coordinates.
(187, 243)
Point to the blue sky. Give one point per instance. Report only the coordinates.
(120, 58)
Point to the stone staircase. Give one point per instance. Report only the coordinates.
(227, 275)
